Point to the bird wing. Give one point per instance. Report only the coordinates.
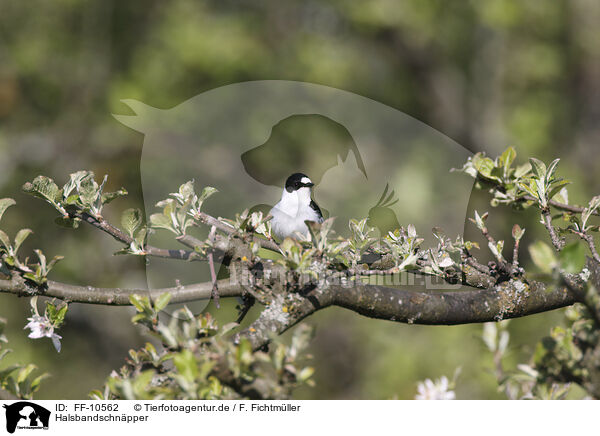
(316, 208)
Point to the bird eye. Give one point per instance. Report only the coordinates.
(297, 185)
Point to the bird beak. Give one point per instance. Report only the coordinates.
(310, 185)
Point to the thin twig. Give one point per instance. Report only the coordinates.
(211, 265)
(547, 219)
(561, 206)
(247, 302)
(501, 261)
(224, 227)
(515, 260)
(123, 237)
(589, 239)
(471, 261)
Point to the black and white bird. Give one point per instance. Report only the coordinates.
(295, 207)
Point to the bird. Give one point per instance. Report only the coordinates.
(295, 207)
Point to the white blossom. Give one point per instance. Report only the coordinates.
(41, 327)
(438, 390)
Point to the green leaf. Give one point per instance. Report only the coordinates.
(136, 300)
(35, 278)
(140, 237)
(96, 395)
(8, 370)
(557, 187)
(42, 258)
(139, 317)
(541, 192)
(21, 236)
(543, 256)
(51, 310)
(141, 382)
(507, 158)
(53, 262)
(551, 170)
(3, 353)
(305, 374)
(24, 372)
(107, 197)
(43, 187)
(35, 384)
(74, 181)
(205, 370)
(162, 301)
(572, 258)
(244, 352)
(88, 190)
(56, 314)
(538, 167)
(485, 166)
(479, 220)
(588, 211)
(186, 365)
(521, 170)
(5, 203)
(207, 192)
(186, 190)
(159, 220)
(5, 240)
(497, 249)
(131, 220)
(562, 196)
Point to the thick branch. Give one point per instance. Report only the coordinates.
(274, 321)
(511, 299)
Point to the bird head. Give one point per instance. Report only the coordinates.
(299, 185)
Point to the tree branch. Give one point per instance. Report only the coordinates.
(274, 320)
(512, 299)
(213, 222)
(556, 240)
(589, 239)
(560, 206)
(123, 237)
(117, 296)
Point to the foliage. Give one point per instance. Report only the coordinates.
(18, 379)
(35, 272)
(193, 358)
(191, 349)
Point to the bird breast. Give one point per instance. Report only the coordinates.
(289, 216)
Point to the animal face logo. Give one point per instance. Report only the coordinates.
(25, 414)
(365, 158)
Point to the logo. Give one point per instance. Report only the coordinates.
(26, 415)
(366, 159)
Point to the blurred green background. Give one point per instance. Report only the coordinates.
(487, 73)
